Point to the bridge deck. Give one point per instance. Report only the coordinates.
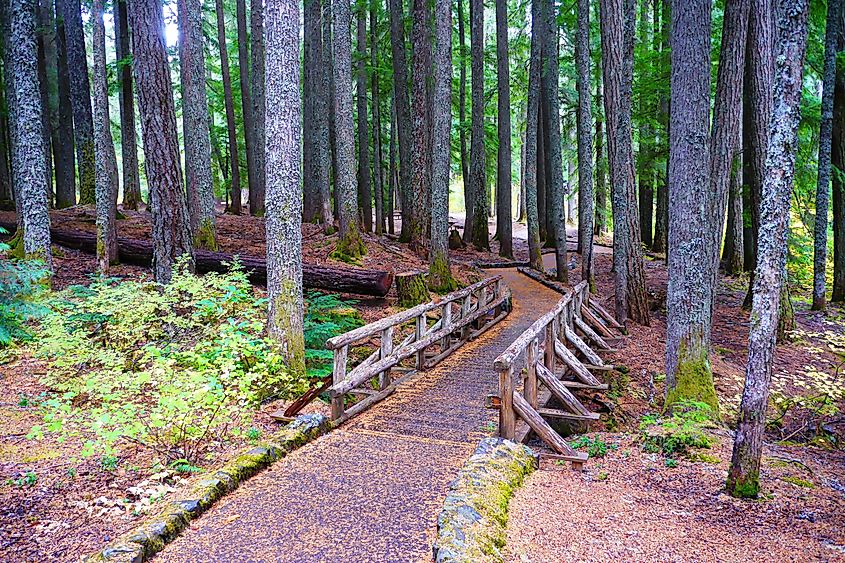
(371, 489)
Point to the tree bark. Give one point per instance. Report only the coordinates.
(28, 141)
(535, 257)
(585, 143)
(106, 175)
(462, 118)
(617, 55)
(63, 151)
(391, 170)
(365, 196)
(661, 219)
(378, 186)
(349, 245)
(403, 111)
(744, 473)
(838, 160)
(199, 182)
(689, 376)
(504, 182)
(246, 100)
(421, 106)
(601, 184)
(128, 135)
(80, 96)
(284, 195)
(235, 205)
(171, 230)
(834, 8)
(44, 43)
(645, 154)
(732, 255)
(477, 164)
(257, 78)
(440, 276)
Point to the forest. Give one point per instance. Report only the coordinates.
(607, 235)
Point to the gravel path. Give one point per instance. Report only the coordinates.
(371, 489)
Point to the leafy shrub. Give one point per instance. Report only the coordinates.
(21, 288)
(173, 368)
(596, 447)
(676, 433)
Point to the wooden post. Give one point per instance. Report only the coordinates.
(338, 374)
(446, 324)
(465, 307)
(386, 350)
(507, 418)
(530, 389)
(420, 333)
(551, 336)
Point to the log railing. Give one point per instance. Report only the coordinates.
(572, 322)
(463, 314)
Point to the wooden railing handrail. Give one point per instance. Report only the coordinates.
(372, 329)
(509, 356)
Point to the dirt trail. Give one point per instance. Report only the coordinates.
(371, 489)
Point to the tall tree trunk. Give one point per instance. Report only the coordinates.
(557, 189)
(28, 142)
(585, 143)
(645, 155)
(478, 172)
(106, 175)
(421, 106)
(732, 255)
(44, 27)
(504, 228)
(391, 168)
(462, 118)
(838, 160)
(128, 136)
(199, 182)
(834, 7)
(617, 55)
(661, 219)
(440, 276)
(689, 376)
(284, 196)
(601, 184)
(256, 93)
(365, 196)
(541, 164)
(171, 230)
(744, 473)
(532, 119)
(80, 96)
(328, 70)
(376, 113)
(64, 158)
(5, 176)
(403, 112)
(246, 100)
(235, 175)
(349, 244)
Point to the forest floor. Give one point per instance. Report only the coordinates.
(628, 505)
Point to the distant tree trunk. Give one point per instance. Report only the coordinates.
(199, 182)
(661, 219)
(365, 196)
(585, 143)
(541, 167)
(732, 255)
(5, 176)
(28, 142)
(838, 160)
(235, 176)
(617, 55)
(834, 7)
(45, 45)
(80, 96)
(376, 113)
(256, 22)
(65, 172)
(440, 276)
(535, 257)
(689, 376)
(557, 190)
(349, 244)
(171, 230)
(645, 155)
(328, 70)
(462, 118)
(744, 473)
(106, 176)
(478, 173)
(246, 100)
(391, 168)
(403, 112)
(727, 123)
(601, 185)
(128, 136)
(284, 180)
(504, 228)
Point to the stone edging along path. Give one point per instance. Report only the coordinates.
(473, 522)
(147, 539)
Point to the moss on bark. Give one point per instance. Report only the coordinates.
(743, 486)
(693, 380)
(206, 237)
(440, 278)
(350, 248)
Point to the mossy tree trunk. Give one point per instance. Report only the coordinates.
(535, 257)
(411, 289)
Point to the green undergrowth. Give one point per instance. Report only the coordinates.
(681, 432)
(22, 286)
(178, 369)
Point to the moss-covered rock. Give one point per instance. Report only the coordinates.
(471, 526)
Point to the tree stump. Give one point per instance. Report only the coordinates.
(411, 289)
(455, 240)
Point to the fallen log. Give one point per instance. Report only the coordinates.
(140, 253)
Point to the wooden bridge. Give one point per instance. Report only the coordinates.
(371, 489)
